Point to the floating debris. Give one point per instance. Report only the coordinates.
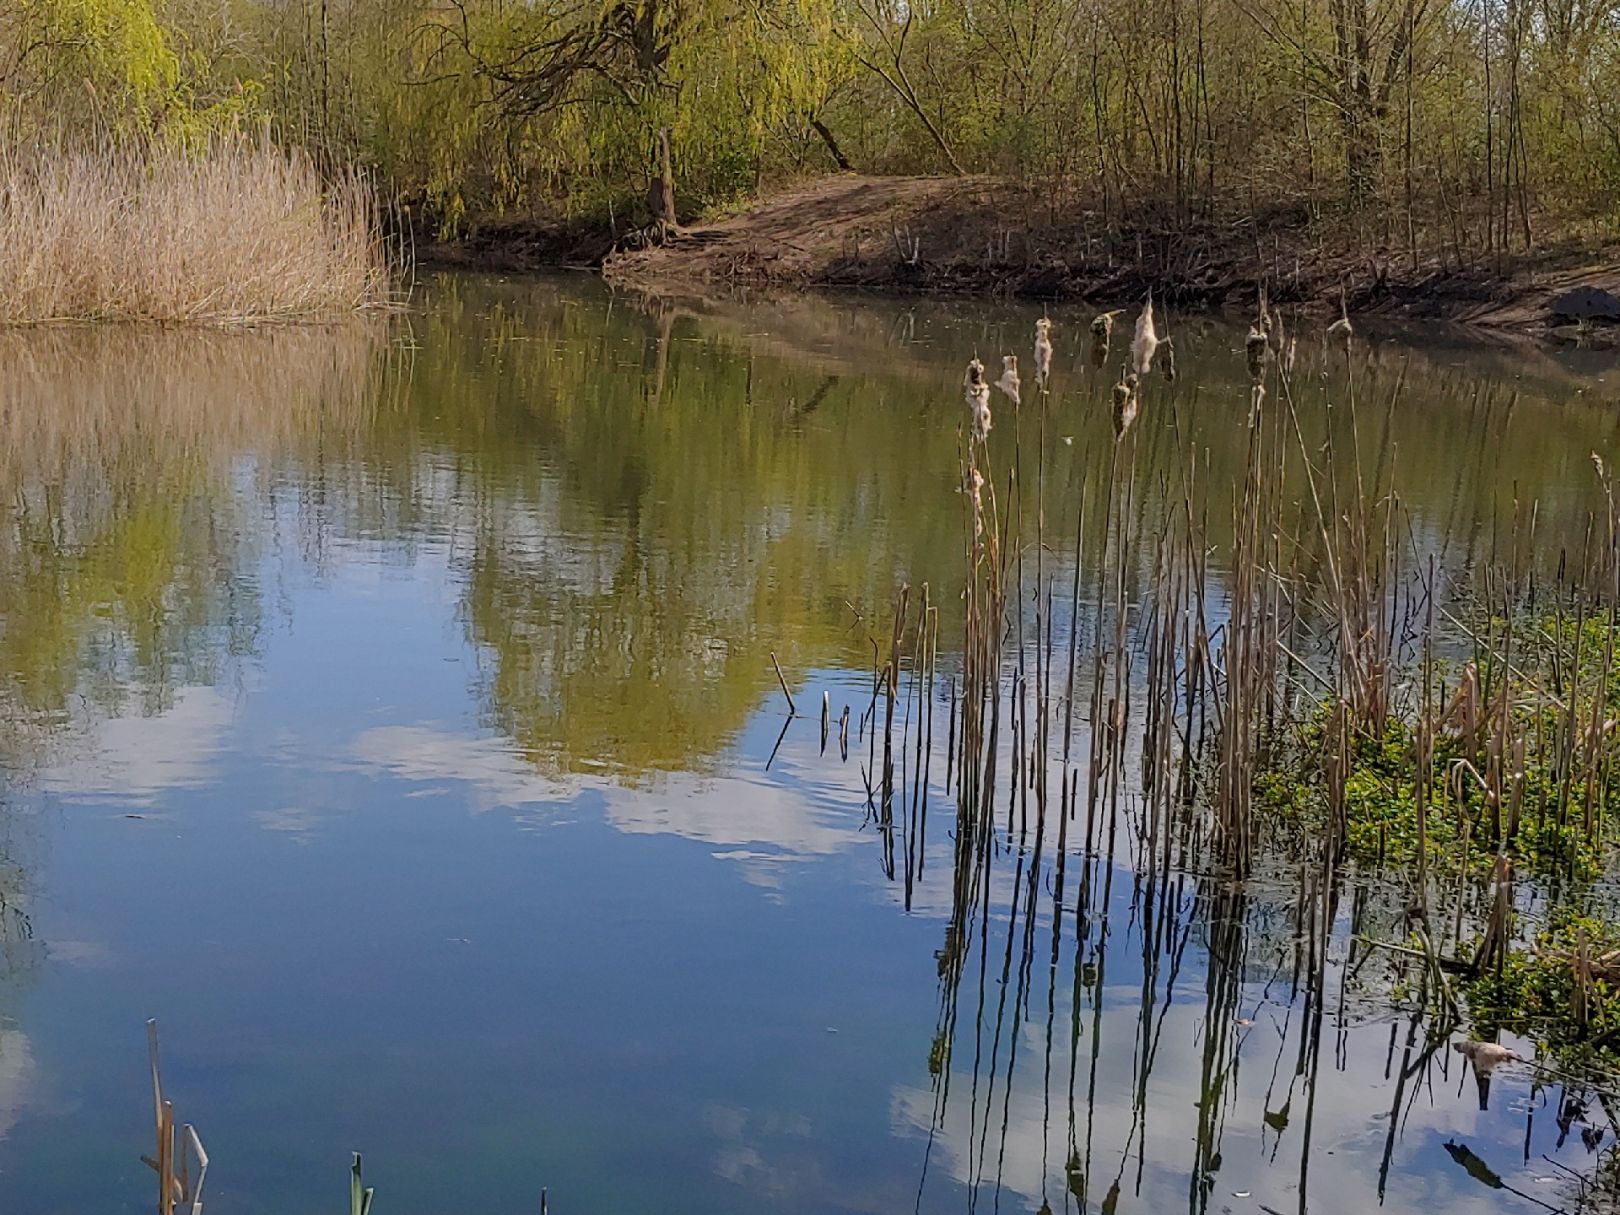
(1477, 1168)
(1485, 1056)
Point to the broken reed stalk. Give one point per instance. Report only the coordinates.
(792, 708)
(922, 682)
(891, 691)
(177, 1190)
(1066, 799)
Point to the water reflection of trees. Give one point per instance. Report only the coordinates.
(643, 499)
(640, 505)
(659, 496)
(130, 526)
(134, 466)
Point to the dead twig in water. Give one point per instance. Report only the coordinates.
(792, 708)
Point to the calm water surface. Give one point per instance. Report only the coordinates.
(390, 712)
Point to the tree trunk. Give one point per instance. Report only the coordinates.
(1362, 153)
(833, 150)
(661, 198)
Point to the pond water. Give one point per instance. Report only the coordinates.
(390, 711)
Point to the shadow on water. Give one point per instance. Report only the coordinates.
(536, 547)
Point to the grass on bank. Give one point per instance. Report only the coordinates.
(240, 231)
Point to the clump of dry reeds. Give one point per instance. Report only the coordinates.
(239, 231)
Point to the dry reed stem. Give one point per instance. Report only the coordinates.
(239, 232)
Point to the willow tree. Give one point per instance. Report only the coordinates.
(646, 82)
(77, 61)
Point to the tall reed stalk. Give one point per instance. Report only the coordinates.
(239, 231)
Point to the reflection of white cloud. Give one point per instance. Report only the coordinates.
(136, 758)
(1349, 1119)
(500, 776)
(761, 826)
(733, 811)
(16, 1069)
(296, 822)
(738, 1157)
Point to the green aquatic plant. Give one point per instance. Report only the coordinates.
(1564, 990)
(1511, 753)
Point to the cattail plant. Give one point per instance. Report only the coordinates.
(1146, 340)
(977, 394)
(975, 492)
(1043, 351)
(1341, 330)
(1276, 333)
(1008, 383)
(1125, 403)
(1102, 332)
(1257, 349)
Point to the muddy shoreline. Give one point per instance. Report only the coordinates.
(956, 237)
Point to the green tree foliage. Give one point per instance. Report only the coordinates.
(1459, 129)
(120, 68)
(110, 57)
(579, 89)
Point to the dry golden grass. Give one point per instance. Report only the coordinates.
(240, 232)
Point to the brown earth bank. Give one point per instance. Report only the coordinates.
(968, 235)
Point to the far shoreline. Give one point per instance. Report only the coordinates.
(944, 237)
